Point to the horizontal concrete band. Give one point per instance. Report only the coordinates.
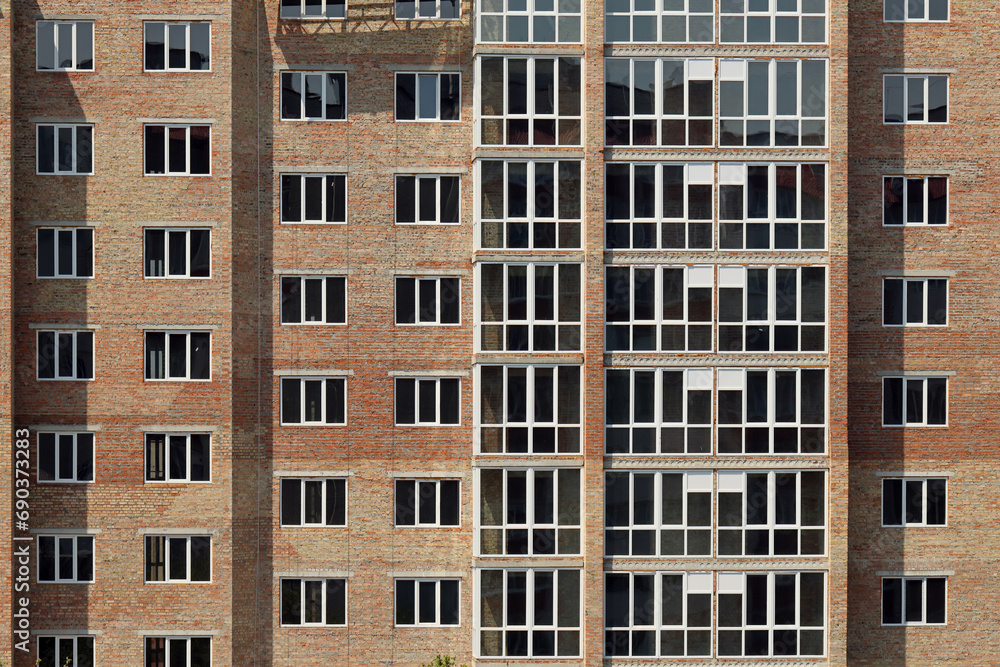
(419, 170)
(915, 473)
(313, 372)
(454, 69)
(520, 154)
(540, 50)
(569, 359)
(633, 360)
(529, 461)
(290, 170)
(181, 428)
(46, 16)
(416, 273)
(658, 154)
(179, 223)
(915, 373)
(177, 327)
(423, 474)
(66, 427)
(66, 531)
(64, 119)
(177, 121)
(426, 574)
(716, 565)
(313, 67)
(659, 257)
(918, 70)
(435, 373)
(482, 257)
(178, 17)
(314, 272)
(178, 633)
(917, 273)
(723, 51)
(313, 574)
(68, 325)
(62, 223)
(631, 462)
(177, 531)
(42, 632)
(915, 573)
(312, 473)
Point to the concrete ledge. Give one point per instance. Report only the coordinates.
(179, 223)
(72, 325)
(299, 169)
(929, 374)
(66, 428)
(178, 531)
(914, 473)
(313, 67)
(66, 531)
(420, 171)
(917, 273)
(311, 473)
(63, 223)
(915, 573)
(430, 374)
(176, 121)
(178, 633)
(183, 428)
(313, 574)
(426, 574)
(417, 273)
(313, 372)
(313, 272)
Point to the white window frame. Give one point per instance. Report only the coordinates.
(167, 643)
(903, 580)
(737, 174)
(418, 280)
(301, 75)
(531, 323)
(690, 380)
(773, 15)
(57, 539)
(74, 335)
(435, 17)
(528, 14)
(167, 127)
(697, 277)
(75, 649)
(659, 17)
(74, 148)
(186, 578)
(736, 70)
(167, 479)
(529, 627)
(530, 115)
(168, 233)
(324, 204)
(692, 482)
(324, 15)
(924, 483)
(418, 584)
(729, 583)
(924, 323)
(693, 583)
(570, 225)
(416, 97)
(438, 200)
(57, 233)
(166, 355)
(302, 401)
(420, 497)
(905, 18)
(925, 205)
(326, 581)
(534, 529)
(694, 174)
(419, 383)
(735, 379)
(925, 91)
(329, 488)
(530, 423)
(166, 46)
(327, 281)
(58, 443)
(735, 482)
(75, 26)
(924, 394)
(737, 277)
(695, 69)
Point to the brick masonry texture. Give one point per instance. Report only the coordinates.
(251, 147)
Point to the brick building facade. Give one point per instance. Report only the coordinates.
(548, 332)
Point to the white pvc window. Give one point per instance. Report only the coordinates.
(178, 559)
(772, 102)
(428, 9)
(428, 503)
(427, 200)
(177, 253)
(313, 501)
(313, 96)
(915, 11)
(657, 513)
(179, 46)
(915, 200)
(65, 150)
(529, 101)
(178, 458)
(658, 614)
(658, 411)
(313, 401)
(60, 650)
(914, 600)
(772, 22)
(778, 513)
(915, 501)
(529, 204)
(658, 308)
(178, 150)
(65, 458)
(914, 302)
(528, 613)
(179, 355)
(65, 252)
(313, 300)
(529, 512)
(914, 401)
(65, 559)
(314, 198)
(771, 614)
(670, 21)
(658, 101)
(428, 96)
(529, 307)
(772, 206)
(427, 401)
(313, 602)
(65, 355)
(771, 411)
(427, 602)
(528, 409)
(178, 651)
(313, 9)
(64, 46)
(915, 99)
(772, 309)
(659, 206)
(428, 300)
(529, 21)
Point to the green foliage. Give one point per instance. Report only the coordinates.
(442, 661)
